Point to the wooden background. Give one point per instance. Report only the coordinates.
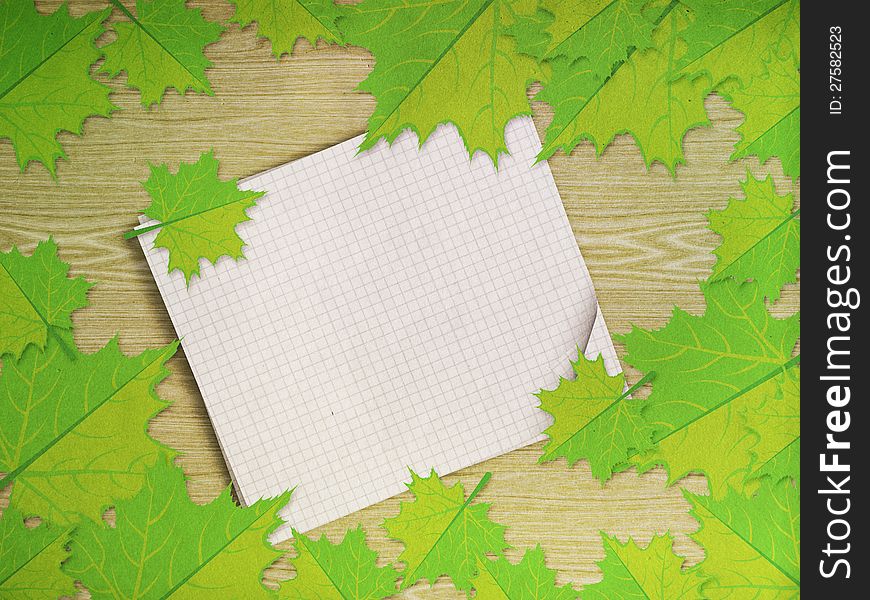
(642, 232)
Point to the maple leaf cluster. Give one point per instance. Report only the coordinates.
(728, 375)
(47, 87)
(649, 75)
(607, 67)
(725, 402)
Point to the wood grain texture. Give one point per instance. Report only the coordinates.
(642, 232)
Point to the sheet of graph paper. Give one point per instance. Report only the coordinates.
(396, 309)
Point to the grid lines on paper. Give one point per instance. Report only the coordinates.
(396, 309)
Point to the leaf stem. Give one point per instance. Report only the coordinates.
(643, 380)
(479, 487)
(137, 232)
(62, 343)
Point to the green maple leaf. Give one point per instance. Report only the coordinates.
(45, 83)
(161, 47)
(450, 60)
(601, 33)
(760, 238)
(72, 427)
(198, 213)
(36, 297)
(165, 545)
(710, 370)
(285, 21)
(530, 579)
(443, 533)
(752, 544)
(643, 96)
(754, 59)
(30, 559)
(344, 571)
(778, 421)
(651, 573)
(593, 419)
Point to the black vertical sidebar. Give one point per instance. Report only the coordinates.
(834, 272)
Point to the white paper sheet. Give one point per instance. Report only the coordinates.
(397, 309)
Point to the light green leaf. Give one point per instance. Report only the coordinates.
(594, 419)
(163, 545)
(443, 533)
(285, 21)
(651, 573)
(198, 213)
(30, 559)
(36, 297)
(45, 83)
(451, 60)
(643, 97)
(702, 361)
(161, 46)
(761, 238)
(778, 422)
(344, 571)
(530, 579)
(756, 63)
(73, 427)
(601, 33)
(752, 544)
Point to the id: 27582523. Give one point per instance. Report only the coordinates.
(835, 69)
